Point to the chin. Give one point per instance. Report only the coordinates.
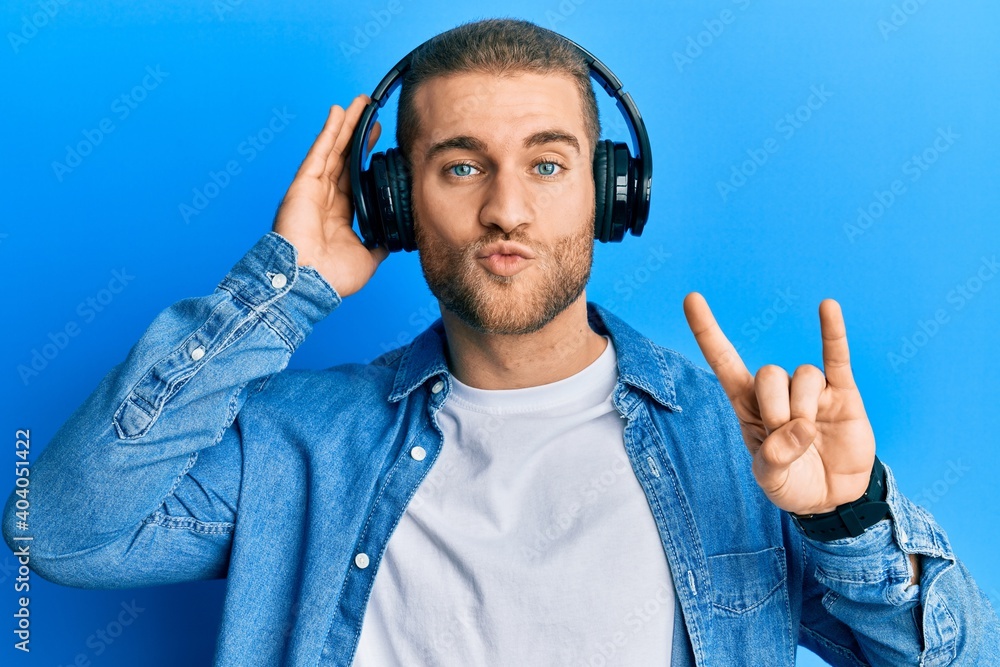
(510, 312)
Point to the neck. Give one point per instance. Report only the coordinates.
(563, 347)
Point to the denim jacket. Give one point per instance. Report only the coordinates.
(201, 456)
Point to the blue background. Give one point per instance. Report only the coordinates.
(892, 76)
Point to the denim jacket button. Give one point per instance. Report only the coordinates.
(438, 386)
(418, 453)
(361, 560)
(197, 353)
(278, 280)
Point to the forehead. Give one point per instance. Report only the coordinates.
(500, 109)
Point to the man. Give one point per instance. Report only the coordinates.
(558, 488)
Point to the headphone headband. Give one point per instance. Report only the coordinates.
(598, 71)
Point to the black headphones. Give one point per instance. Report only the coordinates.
(382, 192)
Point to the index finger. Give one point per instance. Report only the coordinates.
(341, 152)
(314, 163)
(344, 181)
(836, 355)
(720, 354)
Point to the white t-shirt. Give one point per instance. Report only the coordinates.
(530, 542)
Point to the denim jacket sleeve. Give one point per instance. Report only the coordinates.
(859, 607)
(140, 485)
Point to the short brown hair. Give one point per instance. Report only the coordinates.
(493, 46)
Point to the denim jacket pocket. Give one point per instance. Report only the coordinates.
(743, 581)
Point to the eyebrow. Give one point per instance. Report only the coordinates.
(462, 142)
(465, 142)
(552, 136)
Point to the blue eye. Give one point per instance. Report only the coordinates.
(463, 169)
(547, 168)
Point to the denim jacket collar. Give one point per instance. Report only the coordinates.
(640, 363)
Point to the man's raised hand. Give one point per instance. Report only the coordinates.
(316, 213)
(812, 445)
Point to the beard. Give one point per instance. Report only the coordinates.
(509, 305)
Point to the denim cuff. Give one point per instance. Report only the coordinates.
(289, 297)
(876, 563)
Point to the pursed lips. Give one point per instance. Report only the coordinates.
(505, 258)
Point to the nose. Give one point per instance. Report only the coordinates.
(508, 204)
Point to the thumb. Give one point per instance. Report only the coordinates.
(379, 254)
(787, 443)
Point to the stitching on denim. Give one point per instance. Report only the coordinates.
(231, 413)
(243, 327)
(178, 382)
(780, 554)
(116, 419)
(385, 484)
(173, 386)
(266, 303)
(946, 648)
(162, 396)
(659, 514)
(786, 595)
(190, 523)
(756, 604)
(315, 272)
(177, 480)
(280, 315)
(361, 538)
(861, 578)
(392, 528)
(887, 577)
(388, 358)
(661, 363)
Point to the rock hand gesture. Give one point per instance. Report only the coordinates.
(813, 447)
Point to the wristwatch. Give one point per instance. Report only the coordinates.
(849, 519)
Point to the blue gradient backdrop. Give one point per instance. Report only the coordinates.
(715, 82)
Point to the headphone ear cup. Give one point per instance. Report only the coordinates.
(603, 190)
(622, 172)
(398, 176)
(370, 225)
(379, 203)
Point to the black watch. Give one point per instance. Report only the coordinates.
(849, 519)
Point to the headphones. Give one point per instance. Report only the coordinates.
(382, 192)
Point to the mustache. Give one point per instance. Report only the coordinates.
(477, 247)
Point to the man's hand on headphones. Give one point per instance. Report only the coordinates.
(813, 447)
(316, 213)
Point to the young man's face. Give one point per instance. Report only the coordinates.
(539, 196)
